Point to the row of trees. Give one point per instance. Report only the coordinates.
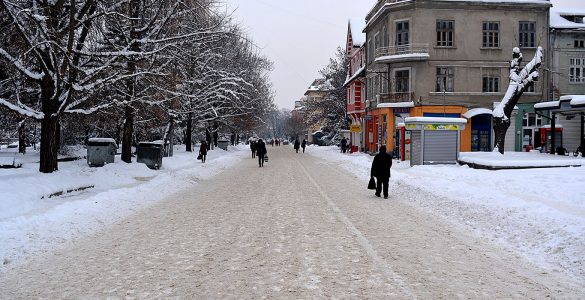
(128, 68)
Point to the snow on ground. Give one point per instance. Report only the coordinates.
(32, 222)
(538, 213)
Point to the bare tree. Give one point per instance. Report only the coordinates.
(520, 80)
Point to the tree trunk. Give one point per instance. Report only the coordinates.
(189, 133)
(22, 137)
(208, 138)
(127, 134)
(500, 128)
(49, 144)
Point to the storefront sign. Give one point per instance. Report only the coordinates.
(411, 127)
(355, 128)
(441, 127)
(368, 117)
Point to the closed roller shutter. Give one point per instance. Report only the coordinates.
(440, 147)
(415, 148)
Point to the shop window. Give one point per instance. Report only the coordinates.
(531, 120)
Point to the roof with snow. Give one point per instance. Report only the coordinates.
(357, 25)
(565, 18)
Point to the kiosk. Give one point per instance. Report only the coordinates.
(434, 140)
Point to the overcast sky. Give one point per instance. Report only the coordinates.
(300, 36)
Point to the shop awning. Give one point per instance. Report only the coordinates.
(569, 104)
(476, 111)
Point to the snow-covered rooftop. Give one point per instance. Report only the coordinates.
(435, 120)
(356, 26)
(559, 18)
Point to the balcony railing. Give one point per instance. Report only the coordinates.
(394, 97)
(408, 52)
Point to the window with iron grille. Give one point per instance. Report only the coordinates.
(445, 79)
(491, 35)
(576, 69)
(527, 34)
(445, 33)
(490, 84)
(579, 43)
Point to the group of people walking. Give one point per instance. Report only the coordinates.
(302, 145)
(259, 150)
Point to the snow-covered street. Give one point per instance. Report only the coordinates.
(301, 227)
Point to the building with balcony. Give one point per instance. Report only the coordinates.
(447, 58)
(355, 83)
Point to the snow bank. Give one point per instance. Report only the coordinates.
(30, 223)
(538, 213)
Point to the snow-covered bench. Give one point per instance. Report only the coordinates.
(9, 160)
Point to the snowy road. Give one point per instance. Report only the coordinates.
(298, 228)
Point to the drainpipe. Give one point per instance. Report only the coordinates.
(552, 133)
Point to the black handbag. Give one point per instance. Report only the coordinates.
(265, 158)
(199, 157)
(372, 184)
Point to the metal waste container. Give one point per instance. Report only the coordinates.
(101, 151)
(223, 144)
(150, 153)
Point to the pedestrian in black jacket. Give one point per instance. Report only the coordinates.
(253, 148)
(261, 152)
(296, 145)
(381, 170)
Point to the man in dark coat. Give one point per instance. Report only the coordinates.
(261, 152)
(297, 144)
(343, 145)
(203, 151)
(381, 170)
(303, 145)
(253, 148)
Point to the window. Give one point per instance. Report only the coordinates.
(444, 79)
(370, 51)
(385, 37)
(530, 88)
(531, 120)
(402, 81)
(576, 68)
(579, 44)
(527, 34)
(445, 33)
(491, 35)
(491, 84)
(402, 29)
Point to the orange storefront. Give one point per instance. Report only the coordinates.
(381, 123)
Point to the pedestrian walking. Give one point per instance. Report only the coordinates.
(261, 152)
(304, 144)
(203, 151)
(253, 148)
(381, 170)
(343, 145)
(272, 142)
(296, 145)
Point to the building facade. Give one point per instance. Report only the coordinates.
(567, 62)
(355, 83)
(442, 58)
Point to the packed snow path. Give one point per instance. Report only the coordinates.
(297, 228)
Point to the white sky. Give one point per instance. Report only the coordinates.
(300, 36)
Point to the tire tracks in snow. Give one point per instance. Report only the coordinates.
(378, 260)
